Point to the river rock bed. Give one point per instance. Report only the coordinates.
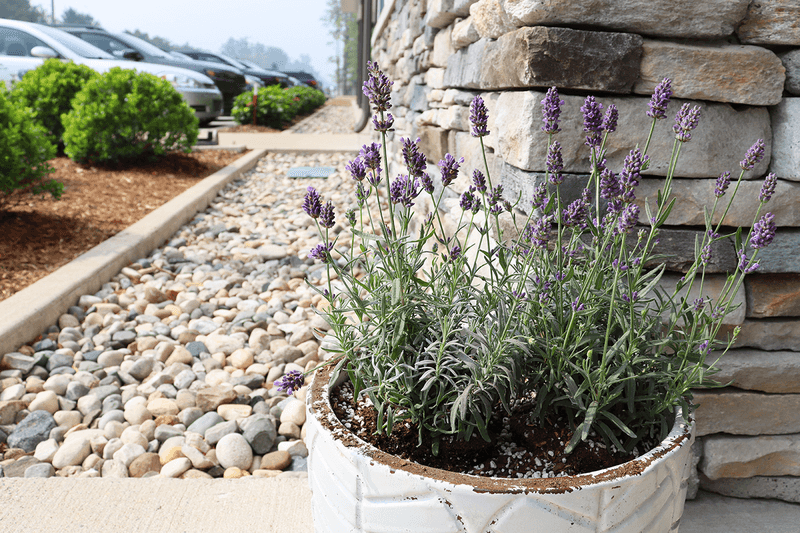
(169, 369)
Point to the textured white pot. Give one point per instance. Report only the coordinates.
(358, 488)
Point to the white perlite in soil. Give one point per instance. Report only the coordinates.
(168, 370)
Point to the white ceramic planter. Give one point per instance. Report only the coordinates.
(358, 488)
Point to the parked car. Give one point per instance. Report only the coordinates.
(306, 78)
(267, 77)
(229, 80)
(25, 45)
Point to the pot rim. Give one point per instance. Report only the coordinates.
(318, 405)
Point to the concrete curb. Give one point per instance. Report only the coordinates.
(302, 143)
(29, 312)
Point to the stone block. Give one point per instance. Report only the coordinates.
(728, 456)
(457, 97)
(520, 141)
(781, 256)
(786, 139)
(732, 411)
(461, 7)
(679, 247)
(454, 118)
(440, 13)
(712, 289)
(491, 19)
(434, 78)
(719, 72)
(659, 18)
(772, 334)
(786, 488)
(418, 97)
(791, 62)
(465, 145)
(464, 34)
(771, 22)
(433, 142)
(442, 47)
(770, 295)
(544, 57)
(758, 370)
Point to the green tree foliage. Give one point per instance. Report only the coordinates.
(22, 10)
(123, 115)
(48, 91)
(269, 57)
(343, 28)
(71, 16)
(24, 154)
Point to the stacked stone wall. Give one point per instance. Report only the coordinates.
(739, 60)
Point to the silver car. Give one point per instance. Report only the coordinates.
(25, 45)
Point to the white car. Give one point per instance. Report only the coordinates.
(25, 45)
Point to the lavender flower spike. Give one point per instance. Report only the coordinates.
(479, 180)
(478, 117)
(660, 99)
(628, 218)
(378, 88)
(763, 232)
(685, 121)
(371, 155)
(592, 120)
(631, 172)
(357, 169)
(321, 252)
(383, 125)
(449, 168)
(768, 187)
(312, 204)
(327, 218)
(609, 123)
(416, 162)
(293, 380)
(723, 181)
(551, 110)
(403, 190)
(754, 155)
(555, 163)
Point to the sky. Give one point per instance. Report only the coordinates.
(293, 25)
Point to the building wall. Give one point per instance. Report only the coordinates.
(739, 60)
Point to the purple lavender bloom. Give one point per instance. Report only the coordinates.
(551, 110)
(478, 117)
(699, 303)
(703, 348)
(723, 181)
(321, 252)
(383, 125)
(540, 199)
(350, 214)
(609, 185)
(449, 168)
(628, 218)
(660, 99)
(763, 231)
(768, 187)
(378, 87)
(743, 263)
(631, 173)
(685, 121)
(575, 213)
(416, 162)
(371, 155)
(753, 156)
(403, 190)
(467, 198)
(293, 380)
(312, 204)
(427, 183)
(705, 254)
(555, 163)
(327, 218)
(610, 119)
(362, 193)
(495, 200)
(455, 252)
(592, 120)
(539, 233)
(357, 169)
(479, 180)
(576, 306)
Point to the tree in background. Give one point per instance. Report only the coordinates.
(70, 16)
(269, 57)
(160, 42)
(22, 10)
(343, 27)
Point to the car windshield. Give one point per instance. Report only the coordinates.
(233, 62)
(181, 56)
(143, 46)
(76, 45)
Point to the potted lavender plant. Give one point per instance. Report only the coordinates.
(479, 384)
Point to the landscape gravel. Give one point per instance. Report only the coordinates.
(327, 119)
(169, 369)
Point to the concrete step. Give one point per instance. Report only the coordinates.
(712, 513)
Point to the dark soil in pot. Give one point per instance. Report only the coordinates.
(519, 449)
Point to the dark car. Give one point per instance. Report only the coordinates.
(306, 78)
(229, 80)
(267, 77)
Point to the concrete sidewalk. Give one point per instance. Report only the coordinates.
(712, 513)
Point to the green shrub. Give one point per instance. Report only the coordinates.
(24, 153)
(307, 98)
(274, 108)
(123, 114)
(49, 89)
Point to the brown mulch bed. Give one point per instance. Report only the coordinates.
(40, 234)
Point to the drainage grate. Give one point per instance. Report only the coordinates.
(311, 172)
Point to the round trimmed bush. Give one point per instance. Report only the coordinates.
(49, 89)
(307, 98)
(122, 115)
(24, 153)
(274, 107)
